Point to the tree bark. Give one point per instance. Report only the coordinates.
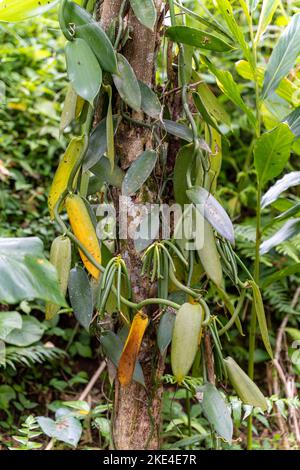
(137, 410)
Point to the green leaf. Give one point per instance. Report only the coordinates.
(69, 110)
(7, 394)
(150, 102)
(91, 32)
(230, 89)
(283, 56)
(293, 120)
(212, 211)
(165, 331)
(228, 15)
(9, 321)
(183, 161)
(81, 296)
(195, 37)
(202, 110)
(145, 12)
(98, 144)
(84, 71)
(104, 174)
(127, 84)
(113, 347)
(12, 11)
(212, 104)
(216, 411)
(66, 429)
(30, 332)
(139, 172)
(26, 274)
(261, 317)
(286, 182)
(178, 130)
(289, 230)
(267, 11)
(278, 275)
(294, 333)
(110, 152)
(271, 152)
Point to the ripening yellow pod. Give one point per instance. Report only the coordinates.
(84, 230)
(60, 257)
(65, 167)
(131, 348)
(185, 339)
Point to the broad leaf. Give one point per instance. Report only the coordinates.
(216, 411)
(25, 273)
(30, 332)
(293, 120)
(230, 89)
(283, 56)
(9, 321)
(261, 317)
(16, 10)
(287, 181)
(271, 152)
(145, 12)
(183, 161)
(289, 229)
(150, 102)
(212, 211)
(228, 15)
(84, 71)
(294, 333)
(267, 11)
(178, 130)
(97, 144)
(66, 429)
(139, 172)
(104, 174)
(127, 84)
(113, 347)
(165, 330)
(110, 152)
(195, 37)
(212, 104)
(81, 296)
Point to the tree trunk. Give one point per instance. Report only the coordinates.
(137, 410)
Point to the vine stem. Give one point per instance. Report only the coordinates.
(253, 319)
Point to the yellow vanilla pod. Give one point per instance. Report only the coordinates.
(62, 175)
(60, 257)
(131, 348)
(185, 339)
(209, 256)
(245, 388)
(84, 230)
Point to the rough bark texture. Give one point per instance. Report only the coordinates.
(137, 411)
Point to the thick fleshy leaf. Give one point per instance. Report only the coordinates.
(165, 330)
(69, 110)
(81, 296)
(212, 104)
(84, 71)
(293, 120)
(66, 428)
(150, 102)
(91, 32)
(229, 16)
(283, 57)
(289, 229)
(16, 10)
(127, 84)
(178, 130)
(204, 114)
(97, 144)
(145, 12)
(216, 411)
(230, 89)
(110, 152)
(104, 174)
(261, 317)
(266, 14)
(197, 38)
(212, 211)
(286, 182)
(9, 321)
(183, 161)
(30, 332)
(139, 172)
(272, 151)
(25, 273)
(113, 347)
